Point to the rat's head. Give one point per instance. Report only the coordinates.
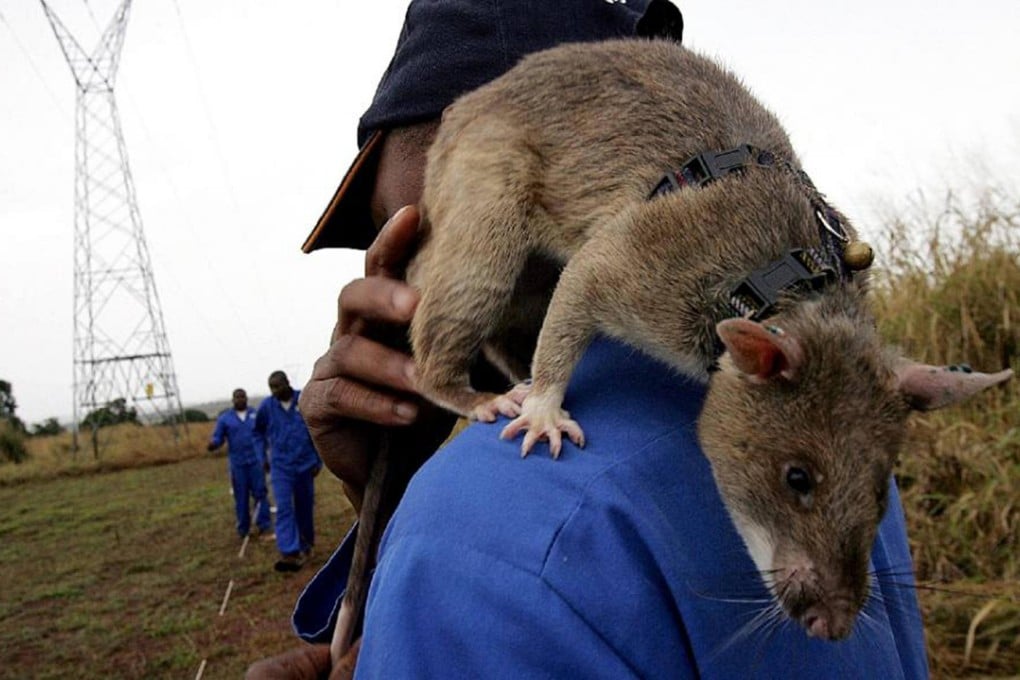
(802, 425)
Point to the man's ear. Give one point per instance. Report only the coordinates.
(761, 351)
(930, 387)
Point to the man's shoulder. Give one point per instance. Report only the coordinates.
(629, 535)
(641, 447)
(619, 516)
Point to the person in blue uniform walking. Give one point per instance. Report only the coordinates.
(247, 455)
(294, 464)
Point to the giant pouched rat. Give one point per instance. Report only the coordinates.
(732, 262)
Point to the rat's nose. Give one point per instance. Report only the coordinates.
(817, 626)
(827, 624)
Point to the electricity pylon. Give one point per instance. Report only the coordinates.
(120, 343)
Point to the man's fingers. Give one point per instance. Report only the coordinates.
(375, 299)
(362, 403)
(323, 401)
(393, 247)
(358, 358)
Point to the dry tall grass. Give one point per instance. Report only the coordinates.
(120, 447)
(949, 292)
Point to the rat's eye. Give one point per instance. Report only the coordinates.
(800, 480)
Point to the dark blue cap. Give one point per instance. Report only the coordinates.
(449, 47)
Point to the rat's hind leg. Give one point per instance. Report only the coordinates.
(482, 217)
(466, 283)
(457, 312)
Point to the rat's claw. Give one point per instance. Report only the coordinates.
(501, 404)
(530, 439)
(539, 426)
(483, 413)
(483, 416)
(574, 432)
(513, 429)
(555, 443)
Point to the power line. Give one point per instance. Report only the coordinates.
(35, 69)
(95, 22)
(206, 109)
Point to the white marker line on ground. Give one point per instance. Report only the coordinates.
(226, 596)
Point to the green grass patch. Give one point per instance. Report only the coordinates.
(122, 574)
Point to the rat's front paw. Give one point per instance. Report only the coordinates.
(542, 419)
(494, 405)
(488, 410)
(519, 392)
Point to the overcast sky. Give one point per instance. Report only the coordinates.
(240, 119)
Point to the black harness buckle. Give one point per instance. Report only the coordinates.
(802, 270)
(798, 270)
(709, 166)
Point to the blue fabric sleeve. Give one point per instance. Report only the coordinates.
(259, 440)
(319, 603)
(218, 432)
(262, 417)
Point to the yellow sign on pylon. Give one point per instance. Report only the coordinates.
(149, 389)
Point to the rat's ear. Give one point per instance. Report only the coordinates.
(930, 387)
(761, 351)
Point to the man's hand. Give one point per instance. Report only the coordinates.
(311, 662)
(360, 383)
(304, 663)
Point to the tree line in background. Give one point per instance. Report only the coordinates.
(14, 432)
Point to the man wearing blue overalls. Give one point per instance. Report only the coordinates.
(247, 455)
(294, 464)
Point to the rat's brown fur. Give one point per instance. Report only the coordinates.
(557, 158)
(567, 145)
(841, 418)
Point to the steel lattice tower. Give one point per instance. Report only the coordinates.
(120, 343)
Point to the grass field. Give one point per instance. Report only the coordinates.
(122, 574)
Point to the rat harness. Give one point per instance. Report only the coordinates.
(800, 269)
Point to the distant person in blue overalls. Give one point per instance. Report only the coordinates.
(294, 465)
(248, 464)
